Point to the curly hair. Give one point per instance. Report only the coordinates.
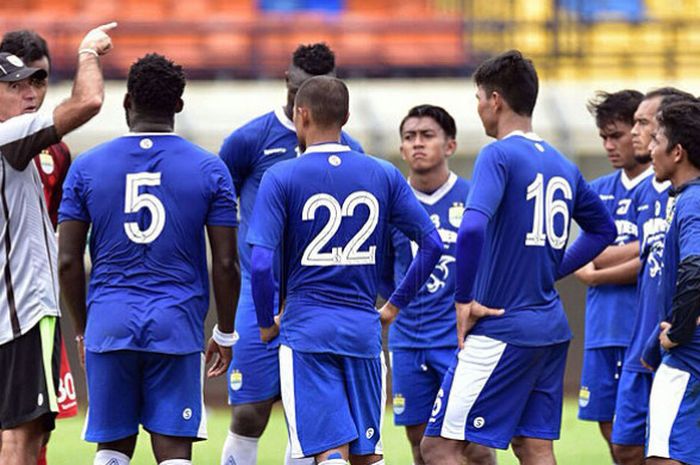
(315, 59)
(156, 85)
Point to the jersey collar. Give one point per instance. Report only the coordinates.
(327, 147)
(628, 183)
(150, 134)
(432, 199)
(660, 186)
(527, 135)
(284, 121)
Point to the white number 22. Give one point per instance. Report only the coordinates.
(546, 208)
(135, 201)
(350, 254)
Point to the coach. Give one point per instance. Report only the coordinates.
(29, 310)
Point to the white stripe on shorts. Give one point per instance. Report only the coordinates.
(202, 430)
(667, 392)
(379, 448)
(475, 364)
(288, 400)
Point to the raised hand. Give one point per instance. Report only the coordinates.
(98, 40)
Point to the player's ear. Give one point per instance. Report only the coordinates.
(127, 101)
(451, 147)
(347, 117)
(179, 106)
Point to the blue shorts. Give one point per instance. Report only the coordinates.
(254, 373)
(159, 391)
(631, 408)
(494, 391)
(600, 377)
(674, 416)
(417, 375)
(331, 400)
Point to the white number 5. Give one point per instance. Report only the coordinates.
(135, 201)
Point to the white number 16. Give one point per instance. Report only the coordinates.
(545, 209)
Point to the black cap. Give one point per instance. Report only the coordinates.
(12, 69)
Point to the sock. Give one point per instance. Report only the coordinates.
(333, 462)
(239, 450)
(42, 456)
(380, 462)
(110, 457)
(176, 462)
(288, 460)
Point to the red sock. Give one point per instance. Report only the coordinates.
(42, 456)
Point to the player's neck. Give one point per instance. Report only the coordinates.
(316, 136)
(684, 175)
(513, 122)
(638, 169)
(152, 126)
(431, 181)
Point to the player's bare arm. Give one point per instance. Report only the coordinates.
(620, 274)
(71, 276)
(226, 279)
(88, 87)
(616, 255)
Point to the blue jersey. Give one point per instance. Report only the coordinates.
(651, 207)
(682, 241)
(331, 210)
(429, 320)
(148, 198)
(529, 191)
(611, 309)
(248, 152)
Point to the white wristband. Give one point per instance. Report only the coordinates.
(224, 339)
(88, 50)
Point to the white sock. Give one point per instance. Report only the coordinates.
(176, 462)
(239, 450)
(110, 457)
(380, 462)
(288, 460)
(333, 462)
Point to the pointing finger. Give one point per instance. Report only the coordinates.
(107, 27)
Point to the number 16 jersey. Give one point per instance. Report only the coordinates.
(148, 198)
(530, 192)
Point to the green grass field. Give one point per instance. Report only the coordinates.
(580, 443)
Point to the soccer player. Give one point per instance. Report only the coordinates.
(29, 334)
(674, 406)
(331, 211)
(52, 164)
(649, 206)
(611, 304)
(254, 384)
(422, 340)
(149, 195)
(505, 385)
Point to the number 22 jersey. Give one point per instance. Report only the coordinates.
(148, 198)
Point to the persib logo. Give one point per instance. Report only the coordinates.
(399, 404)
(584, 396)
(236, 380)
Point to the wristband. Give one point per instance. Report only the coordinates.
(88, 50)
(224, 339)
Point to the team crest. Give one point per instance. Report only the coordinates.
(399, 404)
(455, 214)
(584, 396)
(670, 209)
(46, 161)
(236, 380)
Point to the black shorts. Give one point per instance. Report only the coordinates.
(30, 370)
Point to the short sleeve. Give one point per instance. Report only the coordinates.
(689, 226)
(488, 182)
(269, 215)
(407, 214)
(222, 197)
(74, 202)
(235, 153)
